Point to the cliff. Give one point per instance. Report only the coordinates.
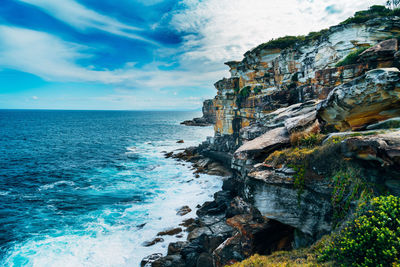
(309, 130)
(208, 118)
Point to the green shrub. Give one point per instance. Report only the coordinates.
(371, 239)
(351, 58)
(375, 11)
(257, 89)
(245, 91)
(348, 185)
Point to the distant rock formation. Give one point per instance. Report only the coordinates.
(208, 118)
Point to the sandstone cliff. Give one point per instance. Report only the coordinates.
(308, 134)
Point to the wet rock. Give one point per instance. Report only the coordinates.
(184, 210)
(207, 220)
(176, 247)
(172, 231)
(152, 242)
(220, 228)
(238, 206)
(188, 222)
(368, 99)
(149, 260)
(169, 261)
(205, 260)
(197, 232)
(169, 154)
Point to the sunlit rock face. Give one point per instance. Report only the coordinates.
(273, 93)
(268, 79)
(372, 97)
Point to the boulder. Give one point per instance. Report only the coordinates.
(383, 51)
(310, 212)
(272, 139)
(149, 260)
(205, 260)
(183, 210)
(171, 231)
(152, 242)
(383, 148)
(176, 247)
(370, 98)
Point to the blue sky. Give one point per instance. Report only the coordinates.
(139, 54)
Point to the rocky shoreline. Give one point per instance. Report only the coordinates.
(226, 226)
(301, 140)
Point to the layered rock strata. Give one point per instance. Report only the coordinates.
(288, 124)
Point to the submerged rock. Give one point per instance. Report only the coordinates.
(172, 231)
(183, 211)
(152, 242)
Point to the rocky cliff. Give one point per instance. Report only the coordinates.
(309, 131)
(208, 118)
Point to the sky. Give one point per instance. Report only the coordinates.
(140, 54)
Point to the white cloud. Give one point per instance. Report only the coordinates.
(82, 18)
(53, 59)
(225, 29)
(221, 30)
(35, 97)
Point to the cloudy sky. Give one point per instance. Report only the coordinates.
(140, 54)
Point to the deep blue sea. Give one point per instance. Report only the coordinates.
(87, 188)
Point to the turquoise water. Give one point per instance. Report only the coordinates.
(87, 188)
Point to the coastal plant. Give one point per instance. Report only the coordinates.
(257, 89)
(299, 179)
(245, 91)
(351, 58)
(347, 187)
(306, 139)
(374, 11)
(372, 238)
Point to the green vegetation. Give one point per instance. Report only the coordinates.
(299, 179)
(348, 186)
(257, 89)
(375, 11)
(294, 258)
(351, 58)
(301, 139)
(245, 91)
(371, 239)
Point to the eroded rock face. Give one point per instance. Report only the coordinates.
(383, 148)
(269, 79)
(272, 139)
(381, 54)
(368, 99)
(208, 118)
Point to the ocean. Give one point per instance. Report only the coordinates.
(87, 188)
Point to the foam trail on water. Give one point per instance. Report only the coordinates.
(151, 188)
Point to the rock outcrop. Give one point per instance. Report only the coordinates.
(373, 97)
(303, 138)
(208, 118)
